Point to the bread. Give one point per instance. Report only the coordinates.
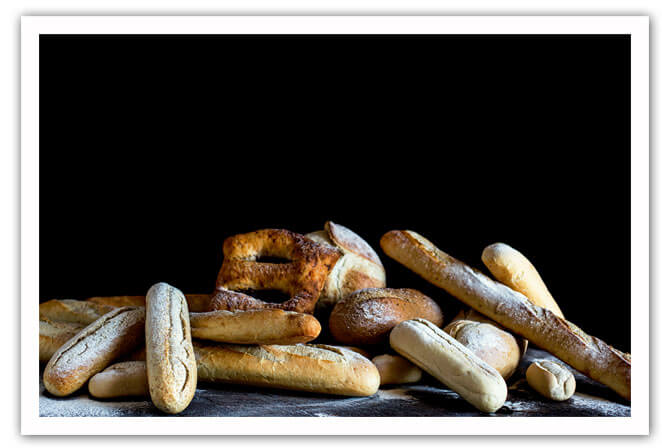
(512, 309)
(53, 335)
(171, 369)
(551, 380)
(311, 368)
(513, 269)
(396, 370)
(197, 303)
(360, 351)
(366, 316)
(93, 349)
(358, 268)
(434, 351)
(266, 326)
(475, 316)
(496, 347)
(74, 311)
(124, 379)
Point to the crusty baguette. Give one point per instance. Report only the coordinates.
(123, 379)
(513, 269)
(197, 303)
(53, 335)
(434, 351)
(496, 347)
(395, 369)
(171, 370)
(312, 368)
(511, 309)
(264, 326)
(75, 311)
(93, 348)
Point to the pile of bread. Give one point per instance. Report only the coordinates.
(161, 344)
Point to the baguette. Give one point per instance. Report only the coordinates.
(311, 368)
(124, 379)
(171, 369)
(53, 335)
(93, 348)
(551, 380)
(512, 309)
(396, 370)
(434, 351)
(513, 269)
(197, 303)
(74, 311)
(265, 326)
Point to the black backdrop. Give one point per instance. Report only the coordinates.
(155, 148)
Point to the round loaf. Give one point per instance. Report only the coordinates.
(358, 268)
(124, 379)
(551, 380)
(494, 346)
(368, 315)
(396, 370)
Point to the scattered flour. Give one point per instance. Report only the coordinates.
(394, 394)
(85, 407)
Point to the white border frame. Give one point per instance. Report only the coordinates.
(636, 26)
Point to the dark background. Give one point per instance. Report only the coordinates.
(156, 148)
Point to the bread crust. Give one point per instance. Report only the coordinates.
(197, 303)
(93, 349)
(53, 335)
(395, 369)
(74, 311)
(123, 379)
(366, 316)
(512, 309)
(513, 269)
(311, 368)
(266, 326)
(434, 351)
(171, 369)
(551, 380)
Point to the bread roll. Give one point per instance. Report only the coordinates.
(124, 379)
(74, 311)
(396, 370)
(53, 335)
(551, 380)
(171, 369)
(475, 316)
(265, 326)
(434, 351)
(312, 368)
(512, 309)
(197, 303)
(366, 316)
(358, 268)
(93, 348)
(513, 269)
(494, 346)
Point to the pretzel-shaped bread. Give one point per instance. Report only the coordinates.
(302, 278)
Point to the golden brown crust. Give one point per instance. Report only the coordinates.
(123, 379)
(302, 277)
(366, 316)
(511, 309)
(74, 311)
(396, 370)
(266, 326)
(53, 335)
(93, 349)
(197, 303)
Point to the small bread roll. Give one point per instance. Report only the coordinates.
(396, 370)
(475, 316)
(366, 316)
(551, 380)
(494, 346)
(171, 370)
(358, 268)
(124, 379)
(434, 351)
(513, 269)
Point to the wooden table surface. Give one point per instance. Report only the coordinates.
(427, 398)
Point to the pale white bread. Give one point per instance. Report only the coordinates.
(311, 368)
(171, 369)
(74, 311)
(551, 380)
(93, 348)
(513, 269)
(358, 268)
(434, 351)
(395, 369)
(123, 379)
(264, 326)
(197, 303)
(473, 315)
(512, 309)
(496, 347)
(53, 335)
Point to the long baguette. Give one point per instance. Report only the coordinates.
(511, 309)
(93, 348)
